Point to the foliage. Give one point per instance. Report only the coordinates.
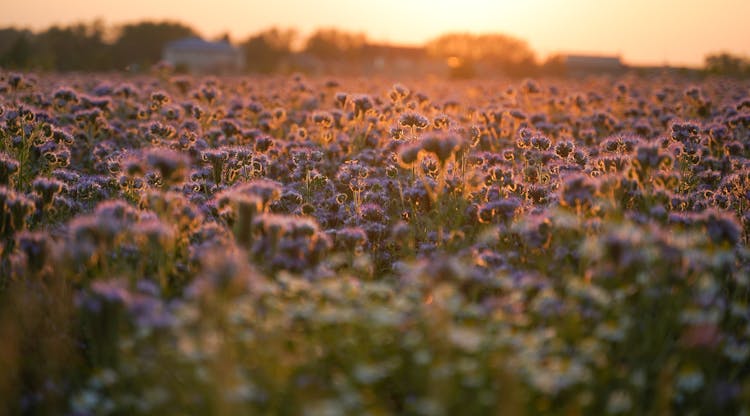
(264, 51)
(333, 44)
(142, 43)
(284, 245)
(727, 64)
(499, 51)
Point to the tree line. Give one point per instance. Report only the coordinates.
(96, 47)
(137, 46)
(88, 46)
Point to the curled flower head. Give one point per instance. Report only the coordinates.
(577, 190)
(362, 103)
(563, 149)
(8, 167)
(651, 156)
(47, 188)
(684, 132)
(413, 120)
(722, 228)
(409, 154)
(350, 237)
(323, 119)
(398, 93)
(442, 146)
(171, 164)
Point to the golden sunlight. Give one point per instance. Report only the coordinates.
(640, 31)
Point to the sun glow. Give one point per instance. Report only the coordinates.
(641, 31)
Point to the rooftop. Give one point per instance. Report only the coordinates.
(195, 43)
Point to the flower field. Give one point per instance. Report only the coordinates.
(319, 246)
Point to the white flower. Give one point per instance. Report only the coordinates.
(610, 331)
(422, 357)
(325, 408)
(619, 402)
(690, 381)
(427, 407)
(86, 401)
(466, 339)
(369, 374)
(737, 352)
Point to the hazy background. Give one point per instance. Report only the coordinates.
(642, 32)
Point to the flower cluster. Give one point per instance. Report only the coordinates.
(291, 245)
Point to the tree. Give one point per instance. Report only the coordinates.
(16, 49)
(502, 52)
(142, 43)
(333, 44)
(72, 48)
(265, 50)
(727, 64)
(554, 66)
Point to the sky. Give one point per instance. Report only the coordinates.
(675, 32)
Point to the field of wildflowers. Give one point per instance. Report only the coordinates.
(284, 245)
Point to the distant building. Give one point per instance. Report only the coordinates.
(200, 56)
(592, 64)
(583, 65)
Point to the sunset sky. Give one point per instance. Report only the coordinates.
(678, 32)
